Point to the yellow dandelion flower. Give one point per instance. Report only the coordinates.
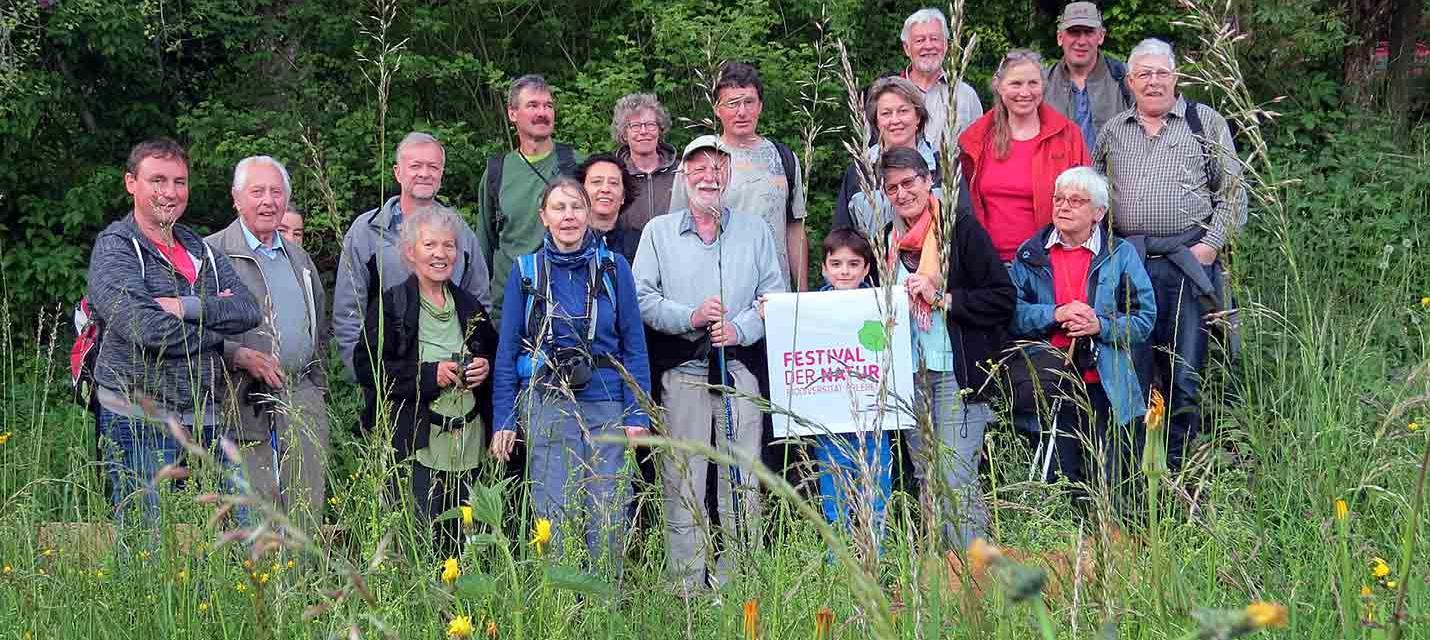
(144, 555)
(99, 574)
(263, 578)
(4, 437)
(1391, 584)
(1413, 426)
(491, 629)
(460, 627)
(1266, 615)
(334, 500)
(451, 570)
(9, 570)
(292, 564)
(1156, 411)
(467, 517)
(1365, 591)
(1378, 568)
(541, 534)
(203, 606)
(1425, 302)
(240, 587)
(751, 622)
(982, 554)
(1343, 510)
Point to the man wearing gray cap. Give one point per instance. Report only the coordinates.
(699, 273)
(1086, 86)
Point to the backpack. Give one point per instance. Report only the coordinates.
(1118, 70)
(89, 332)
(1213, 165)
(535, 289)
(788, 164)
(565, 164)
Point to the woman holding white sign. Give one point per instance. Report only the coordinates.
(956, 325)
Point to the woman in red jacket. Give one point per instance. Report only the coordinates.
(1013, 154)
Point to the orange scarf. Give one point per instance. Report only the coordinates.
(920, 237)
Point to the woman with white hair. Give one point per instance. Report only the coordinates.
(1084, 295)
(425, 349)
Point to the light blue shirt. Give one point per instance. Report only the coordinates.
(934, 347)
(254, 245)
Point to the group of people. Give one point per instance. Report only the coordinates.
(1095, 202)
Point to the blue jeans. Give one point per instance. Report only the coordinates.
(841, 471)
(959, 427)
(1175, 356)
(134, 450)
(573, 475)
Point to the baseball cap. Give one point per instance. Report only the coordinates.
(1080, 14)
(707, 141)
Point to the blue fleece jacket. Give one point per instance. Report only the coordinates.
(619, 334)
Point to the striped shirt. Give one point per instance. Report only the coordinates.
(1159, 183)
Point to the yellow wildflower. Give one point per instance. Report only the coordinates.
(1343, 511)
(1266, 615)
(460, 627)
(541, 535)
(751, 623)
(466, 517)
(183, 575)
(263, 578)
(9, 570)
(1413, 426)
(451, 570)
(47, 552)
(982, 554)
(292, 564)
(1365, 591)
(334, 500)
(1425, 302)
(240, 587)
(1391, 584)
(247, 564)
(491, 629)
(144, 555)
(4, 437)
(1156, 411)
(203, 606)
(1378, 568)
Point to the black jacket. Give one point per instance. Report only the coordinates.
(411, 384)
(983, 301)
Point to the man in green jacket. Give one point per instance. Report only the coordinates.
(510, 222)
(1086, 86)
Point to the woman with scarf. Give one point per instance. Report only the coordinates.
(570, 370)
(432, 343)
(958, 325)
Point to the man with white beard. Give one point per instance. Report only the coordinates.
(925, 40)
(699, 273)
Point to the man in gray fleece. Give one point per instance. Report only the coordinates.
(165, 301)
(372, 261)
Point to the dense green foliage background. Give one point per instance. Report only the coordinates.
(85, 79)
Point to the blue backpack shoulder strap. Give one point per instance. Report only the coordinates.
(532, 287)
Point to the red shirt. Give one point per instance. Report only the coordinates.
(1070, 270)
(1006, 191)
(179, 257)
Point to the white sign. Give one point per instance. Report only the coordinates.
(829, 351)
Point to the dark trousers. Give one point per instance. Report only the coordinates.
(435, 492)
(1176, 355)
(1084, 440)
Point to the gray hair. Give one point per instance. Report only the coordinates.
(927, 14)
(1153, 47)
(533, 81)
(433, 216)
(240, 173)
(1086, 180)
(418, 138)
(634, 103)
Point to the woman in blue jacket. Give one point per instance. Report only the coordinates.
(1084, 292)
(570, 369)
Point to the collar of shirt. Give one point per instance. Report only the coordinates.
(687, 223)
(1178, 109)
(909, 69)
(1093, 242)
(255, 245)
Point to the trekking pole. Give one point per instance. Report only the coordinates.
(736, 480)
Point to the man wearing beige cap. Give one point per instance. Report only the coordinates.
(699, 273)
(1086, 86)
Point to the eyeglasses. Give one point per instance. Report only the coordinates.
(642, 126)
(1071, 201)
(1163, 75)
(1017, 56)
(907, 184)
